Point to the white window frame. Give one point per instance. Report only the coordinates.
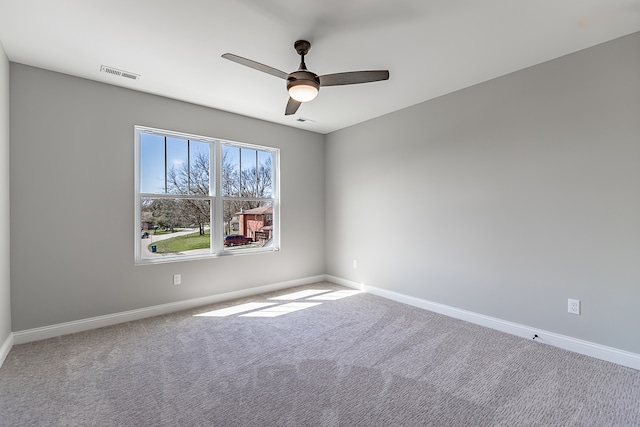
(217, 248)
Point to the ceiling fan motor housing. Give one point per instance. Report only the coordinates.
(303, 85)
(303, 77)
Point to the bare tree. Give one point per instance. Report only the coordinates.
(256, 181)
(250, 182)
(191, 178)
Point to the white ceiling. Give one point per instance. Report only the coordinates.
(431, 47)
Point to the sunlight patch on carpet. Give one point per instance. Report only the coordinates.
(335, 295)
(279, 310)
(230, 311)
(280, 307)
(300, 294)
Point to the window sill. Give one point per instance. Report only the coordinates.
(224, 254)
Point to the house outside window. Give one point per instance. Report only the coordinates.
(192, 193)
(256, 223)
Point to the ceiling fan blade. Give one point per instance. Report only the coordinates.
(255, 65)
(353, 77)
(292, 107)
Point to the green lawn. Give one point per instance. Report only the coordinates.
(183, 243)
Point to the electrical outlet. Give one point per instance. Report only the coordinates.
(574, 306)
(355, 263)
(177, 279)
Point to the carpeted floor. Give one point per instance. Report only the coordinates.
(342, 359)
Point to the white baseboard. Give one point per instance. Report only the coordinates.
(609, 354)
(36, 334)
(5, 348)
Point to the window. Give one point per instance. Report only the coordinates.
(202, 197)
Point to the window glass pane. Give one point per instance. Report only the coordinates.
(265, 176)
(248, 172)
(174, 227)
(152, 164)
(177, 166)
(185, 166)
(247, 224)
(198, 168)
(230, 170)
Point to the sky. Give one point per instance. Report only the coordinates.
(152, 155)
(152, 158)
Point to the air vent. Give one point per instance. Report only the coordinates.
(303, 120)
(120, 73)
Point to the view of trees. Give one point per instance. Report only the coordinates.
(249, 178)
(254, 181)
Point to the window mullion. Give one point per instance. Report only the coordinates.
(215, 183)
(189, 166)
(166, 185)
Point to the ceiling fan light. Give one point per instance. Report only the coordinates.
(303, 92)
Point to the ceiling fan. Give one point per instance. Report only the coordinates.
(302, 84)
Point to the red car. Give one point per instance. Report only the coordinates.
(236, 239)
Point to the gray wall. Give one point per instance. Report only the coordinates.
(5, 225)
(505, 198)
(72, 201)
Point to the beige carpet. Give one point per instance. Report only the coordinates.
(339, 360)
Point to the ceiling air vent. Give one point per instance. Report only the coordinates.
(120, 73)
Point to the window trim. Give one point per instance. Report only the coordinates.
(216, 217)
